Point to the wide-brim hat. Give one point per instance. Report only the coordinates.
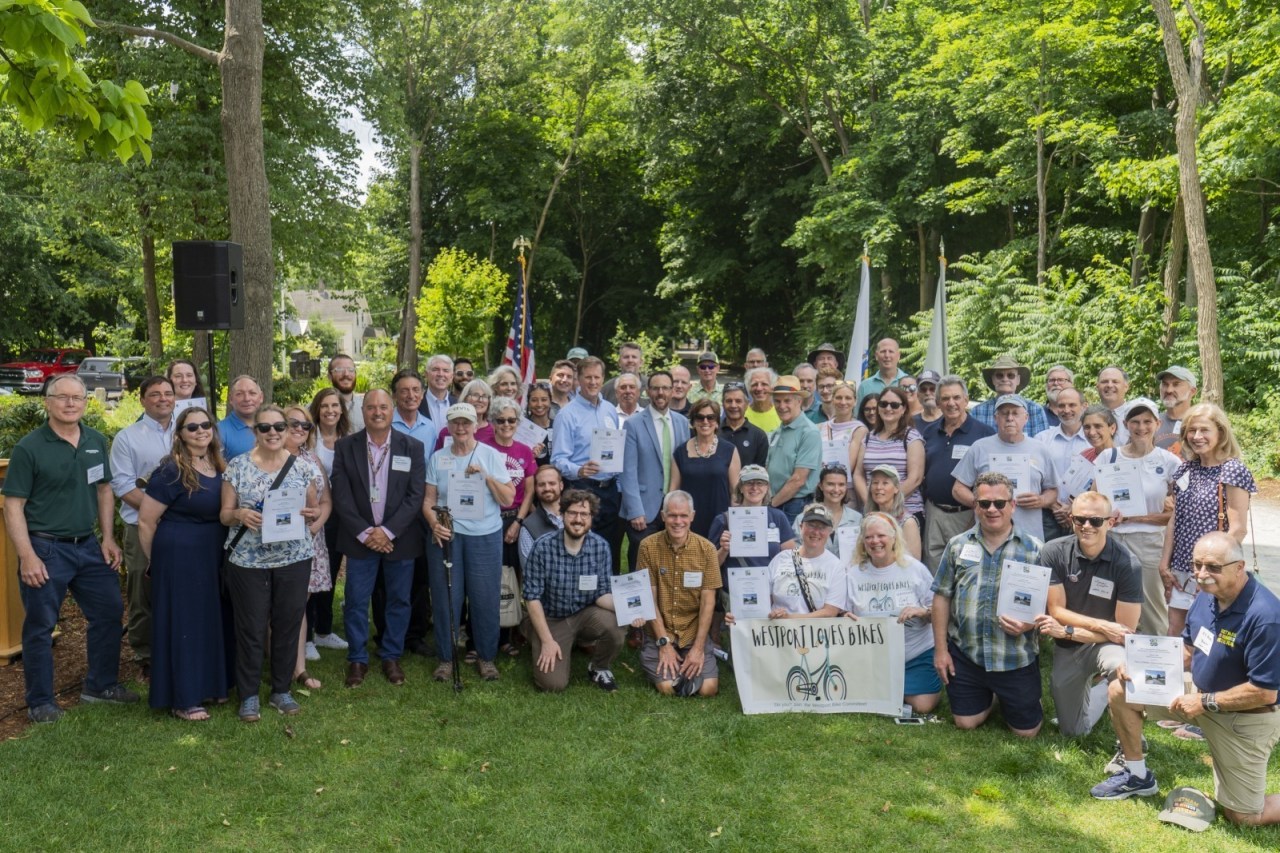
(788, 385)
(1007, 362)
(831, 348)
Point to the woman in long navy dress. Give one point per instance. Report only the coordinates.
(182, 537)
(705, 467)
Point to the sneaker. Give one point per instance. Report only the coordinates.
(443, 672)
(284, 703)
(116, 694)
(487, 670)
(602, 678)
(250, 710)
(330, 641)
(49, 713)
(1122, 785)
(1117, 762)
(311, 652)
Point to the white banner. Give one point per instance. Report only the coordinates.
(821, 666)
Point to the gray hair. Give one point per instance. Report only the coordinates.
(476, 385)
(241, 378)
(439, 357)
(761, 352)
(502, 370)
(953, 379)
(498, 405)
(804, 365)
(674, 496)
(767, 371)
(1071, 374)
(73, 377)
(622, 376)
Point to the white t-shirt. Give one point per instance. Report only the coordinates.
(885, 592)
(1157, 473)
(824, 578)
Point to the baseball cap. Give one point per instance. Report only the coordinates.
(458, 411)
(1139, 404)
(577, 353)
(889, 471)
(1011, 400)
(929, 376)
(818, 513)
(1177, 371)
(708, 356)
(752, 474)
(1189, 808)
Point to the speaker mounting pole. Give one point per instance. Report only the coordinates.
(212, 396)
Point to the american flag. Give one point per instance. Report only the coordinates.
(519, 351)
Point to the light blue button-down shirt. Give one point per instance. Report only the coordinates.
(135, 452)
(571, 447)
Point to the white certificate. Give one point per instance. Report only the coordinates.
(1015, 466)
(466, 495)
(835, 451)
(530, 434)
(1122, 482)
(749, 593)
(180, 405)
(748, 531)
(1076, 479)
(1024, 589)
(1154, 665)
(282, 519)
(633, 598)
(607, 446)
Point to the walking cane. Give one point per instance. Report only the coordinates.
(446, 519)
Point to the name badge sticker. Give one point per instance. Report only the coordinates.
(588, 583)
(1102, 587)
(959, 450)
(1184, 481)
(400, 463)
(95, 474)
(692, 580)
(971, 553)
(774, 535)
(1204, 640)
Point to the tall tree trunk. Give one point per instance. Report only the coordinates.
(150, 295)
(407, 354)
(1173, 271)
(1142, 245)
(1042, 174)
(585, 246)
(927, 239)
(1187, 74)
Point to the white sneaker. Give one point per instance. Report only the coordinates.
(330, 641)
(312, 653)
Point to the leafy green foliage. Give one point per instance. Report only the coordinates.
(457, 308)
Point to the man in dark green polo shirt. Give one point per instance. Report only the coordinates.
(58, 484)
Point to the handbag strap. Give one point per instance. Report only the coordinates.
(284, 472)
(1222, 507)
(802, 580)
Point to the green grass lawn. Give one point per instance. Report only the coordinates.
(507, 768)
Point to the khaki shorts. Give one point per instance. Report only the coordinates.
(1241, 747)
(1079, 696)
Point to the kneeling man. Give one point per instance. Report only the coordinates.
(567, 589)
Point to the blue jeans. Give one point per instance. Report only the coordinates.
(362, 573)
(792, 508)
(477, 574)
(96, 588)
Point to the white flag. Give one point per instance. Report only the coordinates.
(855, 369)
(938, 356)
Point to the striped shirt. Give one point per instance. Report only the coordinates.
(969, 575)
(679, 575)
(893, 452)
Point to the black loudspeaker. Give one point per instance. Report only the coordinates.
(208, 289)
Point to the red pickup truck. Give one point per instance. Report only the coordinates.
(29, 373)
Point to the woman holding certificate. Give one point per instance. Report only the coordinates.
(887, 581)
(895, 442)
(300, 440)
(807, 581)
(539, 413)
(181, 536)
(1210, 492)
(471, 479)
(832, 493)
(753, 491)
(1146, 472)
(884, 494)
(705, 467)
(521, 466)
(268, 499)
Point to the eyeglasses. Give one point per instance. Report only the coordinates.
(305, 426)
(278, 426)
(998, 503)
(197, 427)
(67, 398)
(342, 371)
(705, 418)
(476, 395)
(910, 389)
(891, 405)
(505, 421)
(834, 467)
(1213, 568)
(1091, 520)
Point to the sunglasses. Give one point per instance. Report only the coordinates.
(998, 503)
(1213, 568)
(505, 421)
(305, 426)
(705, 418)
(891, 405)
(197, 427)
(278, 426)
(1091, 520)
(910, 389)
(735, 386)
(707, 366)
(834, 467)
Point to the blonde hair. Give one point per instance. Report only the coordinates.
(1227, 444)
(860, 549)
(309, 442)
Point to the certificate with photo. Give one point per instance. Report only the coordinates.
(1024, 590)
(282, 519)
(1015, 466)
(632, 598)
(1154, 665)
(835, 451)
(1122, 483)
(607, 446)
(1076, 479)
(195, 402)
(466, 495)
(749, 594)
(748, 531)
(530, 434)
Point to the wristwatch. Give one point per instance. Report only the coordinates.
(1069, 631)
(663, 641)
(1210, 702)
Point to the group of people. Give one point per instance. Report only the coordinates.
(893, 496)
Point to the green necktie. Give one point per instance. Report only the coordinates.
(666, 453)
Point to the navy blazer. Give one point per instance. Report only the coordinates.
(641, 478)
(405, 489)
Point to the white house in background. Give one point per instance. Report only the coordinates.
(346, 311)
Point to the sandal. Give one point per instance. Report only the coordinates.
(1170, 724)
(472, 657)
(307, 680)
(510, 649)
(1189, 733)
(194, 714)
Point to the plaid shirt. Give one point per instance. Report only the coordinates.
(1037, 416)
(974, 590)
(667, 565)
(551, 574)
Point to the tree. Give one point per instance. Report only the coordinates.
(464, 294)
(42, 81)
